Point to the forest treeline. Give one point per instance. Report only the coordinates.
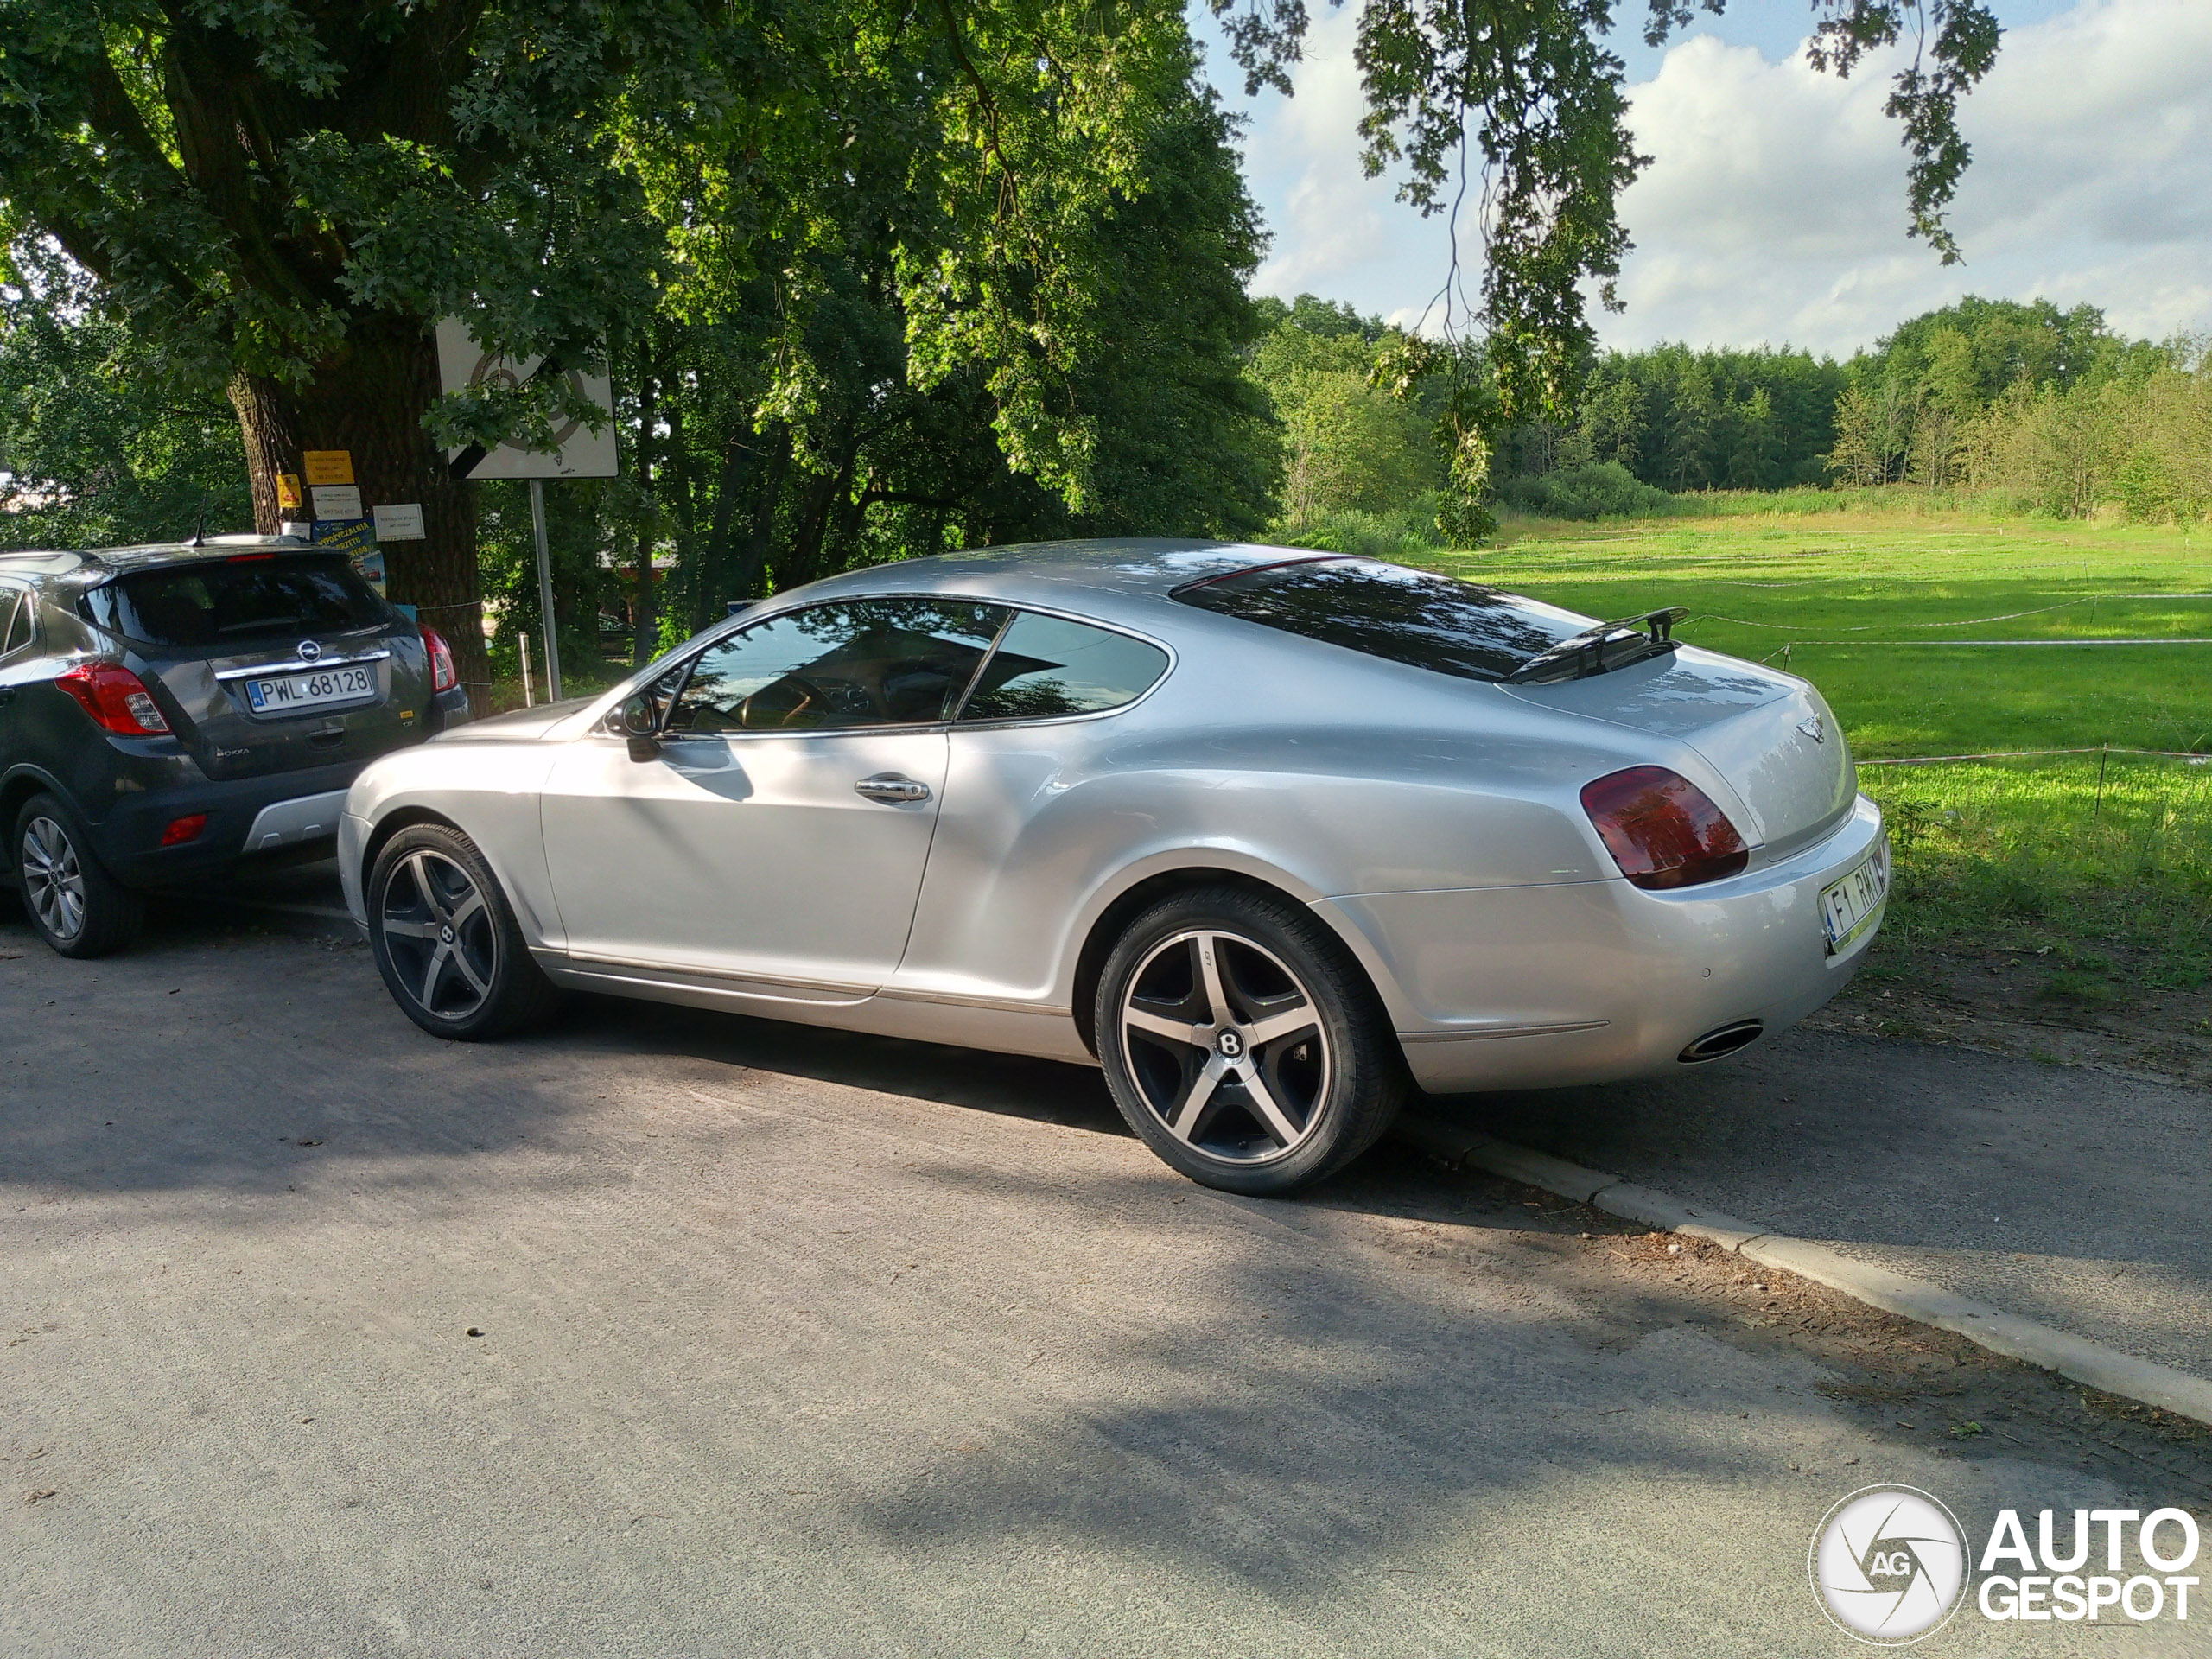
(2033, 408)
(1216, 414)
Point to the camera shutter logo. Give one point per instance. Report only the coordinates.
(1889, 1564)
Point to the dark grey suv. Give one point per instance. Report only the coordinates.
(169, 711)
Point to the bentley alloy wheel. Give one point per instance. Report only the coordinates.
(437, 931)
(1226, 1047)
(446, 940)
(1242, 1042)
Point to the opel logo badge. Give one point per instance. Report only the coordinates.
(310, 652)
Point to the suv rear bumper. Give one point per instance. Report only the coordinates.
(243, 814)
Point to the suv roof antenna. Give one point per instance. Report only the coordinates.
(200, 529)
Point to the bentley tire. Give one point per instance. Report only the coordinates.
(1242, 1045)
(446, 940)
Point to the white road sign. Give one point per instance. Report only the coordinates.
(582, 452)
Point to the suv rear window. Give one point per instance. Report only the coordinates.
(213, 602)
(1385, 610)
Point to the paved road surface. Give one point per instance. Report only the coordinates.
(2076, 1197)
(796, 1343)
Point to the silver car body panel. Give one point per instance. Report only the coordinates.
(1434, 822)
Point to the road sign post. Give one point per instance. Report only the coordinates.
(580, 450)
(546, 590)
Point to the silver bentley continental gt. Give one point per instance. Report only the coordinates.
(1270, 836)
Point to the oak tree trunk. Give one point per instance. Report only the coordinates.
(369, 398)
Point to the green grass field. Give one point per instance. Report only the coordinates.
(2103, 861)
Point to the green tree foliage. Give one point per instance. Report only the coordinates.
(1914, 403)
(1523, 95)
(2140, 439)
(93, 451)
(793, 429)
(281, 198)
(1347, 447)
(1679, 419)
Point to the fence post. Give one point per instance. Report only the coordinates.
(2103, 750)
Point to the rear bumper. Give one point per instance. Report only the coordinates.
(297, 809)
(1594, 982)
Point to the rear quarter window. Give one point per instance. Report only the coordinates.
(213, 603)
(1046, 666)
(1407, 616)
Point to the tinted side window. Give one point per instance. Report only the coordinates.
(214, 602)
(873, 662)
(15, 621)
(1046, 666)
(1386, 610)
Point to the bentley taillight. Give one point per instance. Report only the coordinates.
(1662, 830)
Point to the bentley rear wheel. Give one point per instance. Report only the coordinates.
(1241, 1044)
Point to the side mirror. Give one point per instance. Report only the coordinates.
(643, 747)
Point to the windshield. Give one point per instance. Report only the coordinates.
(212, 603)
(1414, 617)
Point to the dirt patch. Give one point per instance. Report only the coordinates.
(2034, 1005)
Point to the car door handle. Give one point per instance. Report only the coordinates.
(891, 789)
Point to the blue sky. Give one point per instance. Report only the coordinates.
(1774, 209)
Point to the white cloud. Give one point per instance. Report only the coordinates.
(1337, 233)
(1775, 206)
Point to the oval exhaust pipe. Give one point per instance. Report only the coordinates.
(1725, 1040)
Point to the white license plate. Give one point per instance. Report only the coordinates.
(1849, 906)
(281, 695)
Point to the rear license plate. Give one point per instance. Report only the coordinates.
(284, 694)
(1849, 906)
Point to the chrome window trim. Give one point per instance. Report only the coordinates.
(1142, 638)
(745, 621)
(686, 656)
(295, 666)
(24, 609)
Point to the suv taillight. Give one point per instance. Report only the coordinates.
(443, 675)
(115, 697)
(1662, 830)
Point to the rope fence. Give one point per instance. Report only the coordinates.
(2193, 755)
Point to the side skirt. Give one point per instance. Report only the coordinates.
(1006, 1028)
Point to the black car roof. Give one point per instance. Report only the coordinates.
(110, 560)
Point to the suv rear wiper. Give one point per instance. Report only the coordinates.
(1604, 648)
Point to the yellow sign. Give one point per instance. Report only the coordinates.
(287, 489)
(329, 466)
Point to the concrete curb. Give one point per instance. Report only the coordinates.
(2072, 1356)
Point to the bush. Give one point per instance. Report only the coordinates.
(1601, 489)
(1405, 534)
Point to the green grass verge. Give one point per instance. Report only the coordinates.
(2113, 881)
(2109, 876)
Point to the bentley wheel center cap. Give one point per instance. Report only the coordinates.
(446, 934)
(1230, 1042)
